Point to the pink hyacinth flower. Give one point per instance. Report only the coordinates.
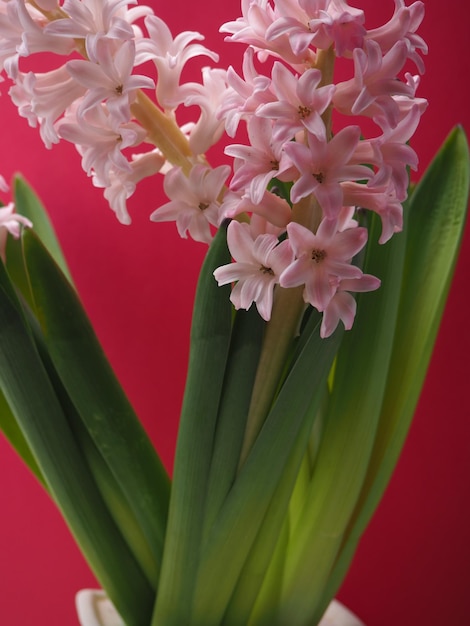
(300, 103)
(375, 86)
(259, 262)
(10, 222)
(342, 305)
(245, 94)
(169, 56)
(323, 166)
(260, 162)
(122, 183)
(272, 208)
(194, 200)
(108, 78)
(322, 260)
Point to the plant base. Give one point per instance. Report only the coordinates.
(95, 609)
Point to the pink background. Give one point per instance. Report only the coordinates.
(137, 284)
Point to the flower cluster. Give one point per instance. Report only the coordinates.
(297, 183)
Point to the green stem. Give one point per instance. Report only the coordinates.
(287, 313)
(163, 132)
(287, 310)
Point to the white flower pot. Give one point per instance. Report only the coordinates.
(338, 615)
(95, 609)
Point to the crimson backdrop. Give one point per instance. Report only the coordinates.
(137, 284)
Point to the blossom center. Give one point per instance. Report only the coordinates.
(266, 270)
(318, 255)
(303, 111)
(119, 89)
(274, 164)
(203, 206)
(318, 176)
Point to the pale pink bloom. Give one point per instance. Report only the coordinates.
(406, 103)
(11, 32)
(321, 23)
(300, 103)
(341, 25)
(245, 94)
(170, 56)
(87, 18)
(397, 155)
(22, 34)
(322, 260)
(259, 262)
(34, 37)
(21, 96)
(391, 155)
(194, 200)
(403, 26)
(100, 142)
(381, 200)
(43, 98)
(272, 208)
(10, 222)
(342, 305)
(108, 78)
(375, 85)
(323, 166)
(124, 183)
(293, 20)
(208, 97)
(252, 28)
(261, 161)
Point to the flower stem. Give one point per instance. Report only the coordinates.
(288, 304)
(326, 64)
(287, 310)
(163, 132)
(285, 319)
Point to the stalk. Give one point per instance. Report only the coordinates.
(288, 304)
(163, 132)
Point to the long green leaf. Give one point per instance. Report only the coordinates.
(210, 339)
(31, 397)
(109, 489)
(261, 576)
(11, 430)
(350, 425)
(242, 515)
(436, 220)
(28, 204)
(8, 423)
(97, 396)
(245, 348)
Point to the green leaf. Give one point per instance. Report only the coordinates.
(348, 435)
(210, 340)
(436, 221)
(96, 394)
(109, 489)
(8, 424)
(245, 348)
(11, 430)
(235, 530)
(28, 204)
(29, 394)
(260, 579)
